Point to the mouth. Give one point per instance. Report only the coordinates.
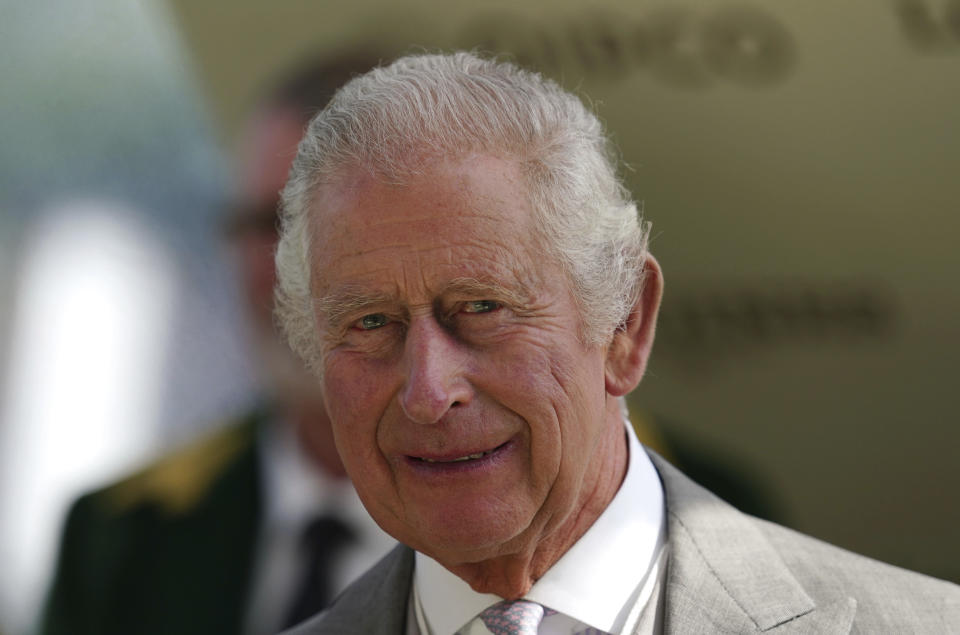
(457, 460)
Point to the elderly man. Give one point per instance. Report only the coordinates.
(469, 281)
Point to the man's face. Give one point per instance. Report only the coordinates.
(467, 411)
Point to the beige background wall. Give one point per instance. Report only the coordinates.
(799, 161)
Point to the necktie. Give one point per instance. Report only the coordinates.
(519, 617)
(320, 542)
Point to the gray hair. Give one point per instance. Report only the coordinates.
(393, 120)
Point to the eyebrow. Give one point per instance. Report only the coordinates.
(489, 290)
(341, 304)
(338, 305)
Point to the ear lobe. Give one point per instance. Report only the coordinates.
(630, 348)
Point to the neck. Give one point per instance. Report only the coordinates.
(512, 575)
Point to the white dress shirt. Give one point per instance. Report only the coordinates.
(601, 582)
(295, 492)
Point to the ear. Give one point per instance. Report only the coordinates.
(630, 348)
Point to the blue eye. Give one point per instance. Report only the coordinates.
(480, 306)
(372, 321)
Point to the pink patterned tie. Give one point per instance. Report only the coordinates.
(518, 617)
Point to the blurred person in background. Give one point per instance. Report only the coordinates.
(257, 526)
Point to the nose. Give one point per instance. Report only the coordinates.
(434, 365)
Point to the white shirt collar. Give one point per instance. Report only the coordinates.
(593, 582)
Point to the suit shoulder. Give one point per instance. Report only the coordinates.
(177, 481)
(887, 596)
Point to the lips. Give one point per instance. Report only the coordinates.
(469, 457)
(441, 460)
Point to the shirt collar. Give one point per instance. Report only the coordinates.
(590, 582)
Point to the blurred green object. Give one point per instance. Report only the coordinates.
(168, 550)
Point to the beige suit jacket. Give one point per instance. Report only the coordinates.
(727, 573)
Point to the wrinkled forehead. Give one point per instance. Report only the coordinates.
(469, 213)
(467, 191)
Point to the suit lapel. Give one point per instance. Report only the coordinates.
(723, 574)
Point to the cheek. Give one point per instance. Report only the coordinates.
(355, 387)
(356, 395)
(538, 375)
(570, 393)
(527, 381)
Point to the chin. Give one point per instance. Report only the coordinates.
(468, 539)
